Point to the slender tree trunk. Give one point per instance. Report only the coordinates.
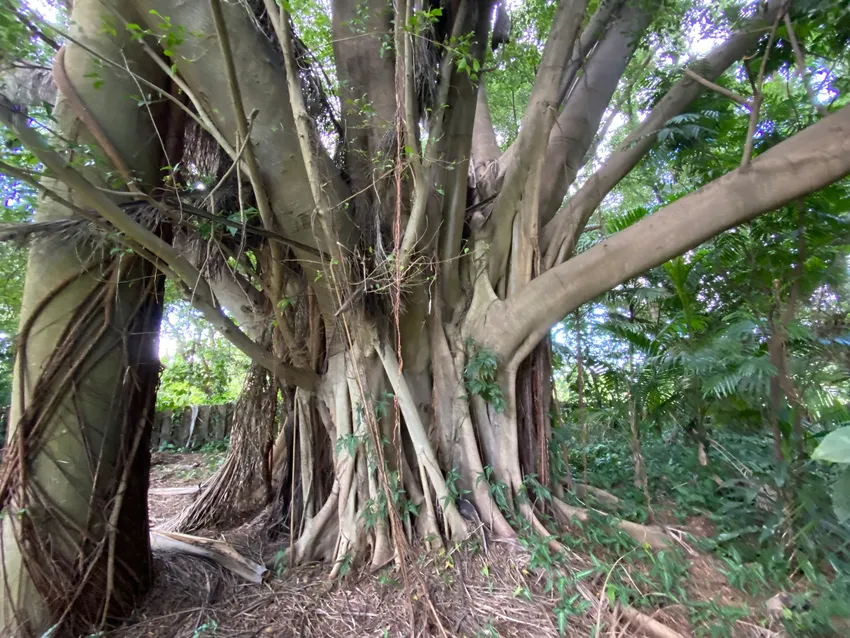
(640, 479)
(582, 420)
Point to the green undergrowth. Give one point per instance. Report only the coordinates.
(213, 452)
(733, 512)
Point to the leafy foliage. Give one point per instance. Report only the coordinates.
(200, 367)
(479, 376)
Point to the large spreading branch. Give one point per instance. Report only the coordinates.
(802, 164)
(559, 236)
(153, 247)
(590, 37)
(537, 122)
(574, 132)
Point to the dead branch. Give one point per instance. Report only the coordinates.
(222, 553)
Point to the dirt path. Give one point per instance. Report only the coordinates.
(171, 472)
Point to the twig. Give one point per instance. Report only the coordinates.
(758, 95)
(801, 65)
(740, 99)
(23, 176)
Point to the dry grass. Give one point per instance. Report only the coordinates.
(480, 589)
(194, 598)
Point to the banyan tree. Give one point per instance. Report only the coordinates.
(363, 236)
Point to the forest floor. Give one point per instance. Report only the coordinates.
(483, 588)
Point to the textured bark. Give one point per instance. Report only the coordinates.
(28, 86)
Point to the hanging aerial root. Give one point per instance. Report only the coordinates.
(455, 525)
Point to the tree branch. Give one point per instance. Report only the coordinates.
(485, 148)
(201, 294)
(559, 235)
(802, 164)
(801, 65)
(758, 96)
(423, 171)
(735, 97)
(590, 37)
(537, 122)
(585, 106)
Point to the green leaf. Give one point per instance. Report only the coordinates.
(835, 447)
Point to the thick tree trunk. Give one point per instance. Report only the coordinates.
(75, 547)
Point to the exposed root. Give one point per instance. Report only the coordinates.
(646, 625)
(652, 536)
(604, 498)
